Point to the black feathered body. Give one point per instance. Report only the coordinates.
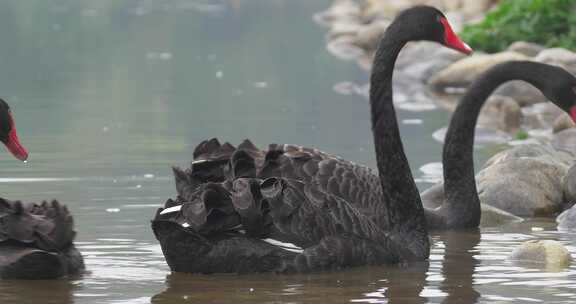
(36, 241)
(234, 198)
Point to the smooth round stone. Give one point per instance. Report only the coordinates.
(565, 140)
(526, 180)
(434, 197)
(526, 48)
(543, 254)
(569, 185)
(563, 122)
(567, 219)
(462, 72)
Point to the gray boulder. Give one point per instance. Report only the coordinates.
(525, 94)
(563, 122)
(558, 56)
(569, 186)
(525, 180)
(541, 115)
(567, 219)
(502, 113)
(462, 72)
(526, 48)
(434, 196)
(565, 140)
(544, 152)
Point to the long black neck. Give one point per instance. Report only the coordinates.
(462, 205)
(401, 208)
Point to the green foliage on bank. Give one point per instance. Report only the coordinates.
(521, 135)
(551, 23)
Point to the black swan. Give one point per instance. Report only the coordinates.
(246, 210)
(461, 204)
(36, 240)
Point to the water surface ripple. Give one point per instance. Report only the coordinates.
(108, 95)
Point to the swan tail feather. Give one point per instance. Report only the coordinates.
(242, 164)
(252, 207)
(36, 240)
(48, 226)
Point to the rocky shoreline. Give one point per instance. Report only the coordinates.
(538, 166)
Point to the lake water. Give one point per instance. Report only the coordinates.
(107, 95)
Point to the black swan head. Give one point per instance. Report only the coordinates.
(8, 134)
(428, 23)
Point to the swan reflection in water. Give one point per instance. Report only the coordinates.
(459, 265)
(448, 279)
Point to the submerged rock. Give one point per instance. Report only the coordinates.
(525, 180)
(548, 254)
(492, 216)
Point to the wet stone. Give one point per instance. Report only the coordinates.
(525, 180)
(434, 197)
(501, 112)
(548, 254)
(567, 219)
(565, 140)
(522, 92)
(526, 48)
(463, 72)
(569, 186)
(562, 122)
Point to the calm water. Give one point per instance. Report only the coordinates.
(109, 94)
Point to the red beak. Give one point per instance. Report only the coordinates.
(573, 113)
(452, 40)
(13, 143)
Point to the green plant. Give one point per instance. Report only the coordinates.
(521, 135)
(551, 23)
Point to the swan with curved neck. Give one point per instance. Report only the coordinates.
(225, 213)
(461, 207)
(36, 240)
(401, 202)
